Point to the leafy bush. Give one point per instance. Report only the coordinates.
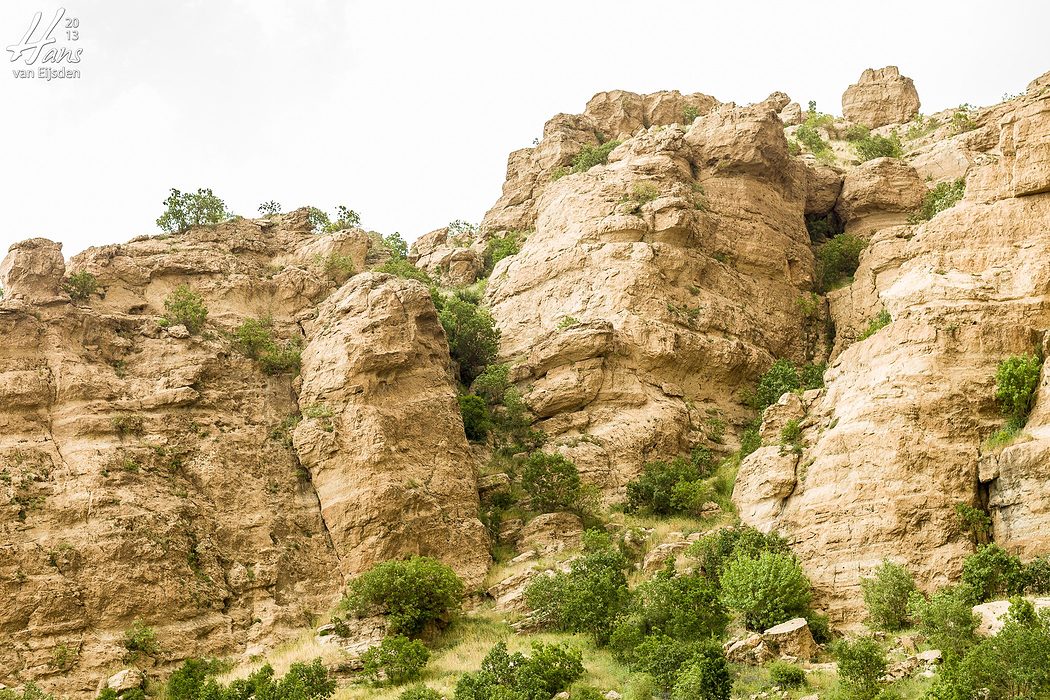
(502, 246)
(552, 482)
(944, 195)
(402, 268)
(992, 572)
(838, 259)
(791, 436)
(689, 115)
(411, 593)
(861, 664)
(1016, 379)
(963, 119)
(886, 596)
(254, 339)
(1036, 576)
(819, 627)
(655, 489)
(808, 136)
(664, 658)
(492, 383)
(876, 324)
(684, 607)
(270, 208)
(870, 146)
(345, 218)
(642, 192)
(946, 618)
(504, 676)
(767, 589)
(141, 639)
(975, 522)
(397, 660)
(185, 210)
(420, 692)
(786, 675)
(80, 285)
(186, 307)
(336, 267)
(31, 691)
(302, 682)
(920, 126)
(704, 677)
(187, 680)
(317, 219)
(783, 377)
(473, 339)
(590, 596)
(1013, 664)
(713, 552)
(476, 419)
(591, 156)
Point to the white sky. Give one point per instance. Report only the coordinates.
(406, 111)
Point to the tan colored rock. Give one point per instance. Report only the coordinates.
(663, 290)
(125, 679)
(33, 270)
(448, 257)
(823, 186)
(551, 533)
(878, 194)
(992, 614)
(379, 403)
(656, 558)
(791, 115)
(748, 650)
(792, 639)
(881, 96)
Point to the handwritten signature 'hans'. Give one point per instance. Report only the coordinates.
(35, 47)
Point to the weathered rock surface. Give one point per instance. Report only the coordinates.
(792, 639)
(896, 439)
(993, 614)
(882, 96)
(148, 473)
(878, 194)
(551, 533)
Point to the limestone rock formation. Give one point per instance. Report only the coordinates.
(896, 439)
(149, 473)
(382, 435)
(877, 194)
(882, 96)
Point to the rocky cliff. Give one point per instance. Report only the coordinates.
(666, 256)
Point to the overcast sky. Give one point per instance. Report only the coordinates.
(406, 111)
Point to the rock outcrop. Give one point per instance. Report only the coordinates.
(882, 96)
(149, 474)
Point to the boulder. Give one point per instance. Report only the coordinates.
(879, 193)
(748, 650)
(551, 533)
(125, 679)
(993, 613)
(792, 639)
(881, 96)
(656, 558)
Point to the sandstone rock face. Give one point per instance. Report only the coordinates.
(677, 268)
(382, 435)
(551, 533)
(881, 96)
(993, 614)
(879, 193)
(609, 115)
(147, 473)
(456, 260)
(792, 639)
(896, 439)
(33, 270)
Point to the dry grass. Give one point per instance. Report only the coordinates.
(303, 648)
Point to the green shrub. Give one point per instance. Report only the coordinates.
(254, 339)
(420, 692)
(186, 307)
(713, 552)
(786, 675)
(270, 208)
(302, 682)
(665, 488)
(684, 607)
(411, 593)
(946, 619)
(974, 522)
(591, 156)
(473, 339)
(1036, 576)
(590, 596)
(704, 677)
(187, 680)
(791, 436)
(502, 246)
(783, 377)
(944, 195)
(1014, 664)
(689, 115)
(317, 219)
(552, 482)
(808, 136)
(876, 324)
(767, 589)
(402, 268)
(642, 192)
(963, 119)
(141, 639)
(30, 691)
(504, 676)
(886, 596)
(1016, 380)
(492, 383)
(838, 259)
(992, 572)
(185, 210)
(871, 146)
(862, 663)
(336, 267)
(346, 218)
(664, 658)
(282, 357)
(476, 419)
(397, 660)
(80, 285)
(920, 126)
